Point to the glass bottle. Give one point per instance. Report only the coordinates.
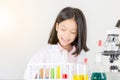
(98, 72)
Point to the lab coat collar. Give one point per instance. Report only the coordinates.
(64, 50)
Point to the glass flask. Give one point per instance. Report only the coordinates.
(98, 72)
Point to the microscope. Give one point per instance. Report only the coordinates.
(112, 47)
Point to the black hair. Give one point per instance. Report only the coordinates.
(78, 16)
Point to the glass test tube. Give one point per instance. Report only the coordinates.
(58, 72)
(47, 72)
(41, 73)
(65, 71)
(52, 72)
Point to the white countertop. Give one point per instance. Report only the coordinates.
(113, 76)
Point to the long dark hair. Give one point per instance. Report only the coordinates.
(78, 16)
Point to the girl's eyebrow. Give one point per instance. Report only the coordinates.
(66, 27)
(63, 26)
(73, 30)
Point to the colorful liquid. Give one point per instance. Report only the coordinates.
(52, 73)
(80, 77)
(47, 73)
(64, 76)
(58, 72)
(98, 76)
(41, 73)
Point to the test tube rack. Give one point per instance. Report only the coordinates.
(52, 71)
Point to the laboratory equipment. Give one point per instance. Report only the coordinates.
(98, 71)
(50, 71)
(112, 46)
(81, 71)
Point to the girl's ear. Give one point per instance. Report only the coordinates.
(57, 26)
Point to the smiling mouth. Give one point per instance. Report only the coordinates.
(64, 40)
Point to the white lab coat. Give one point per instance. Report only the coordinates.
(55, 54)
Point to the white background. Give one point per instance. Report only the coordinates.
(25, 26)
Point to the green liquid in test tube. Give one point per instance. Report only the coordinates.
(52, 73)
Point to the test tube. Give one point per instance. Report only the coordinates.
(76, 75)
(41, 73)
(65, 71)
(47, 74)
(52, 73)
(58, 72)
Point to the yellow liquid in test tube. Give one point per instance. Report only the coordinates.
(80, 77)
(58, 72)
(76, 77)
(84, 77)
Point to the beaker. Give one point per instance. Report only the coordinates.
(98, 72)
(80, 71)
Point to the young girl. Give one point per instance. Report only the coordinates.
(67, 41)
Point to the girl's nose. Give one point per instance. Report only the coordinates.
(67, 34)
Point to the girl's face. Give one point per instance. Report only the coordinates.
(66, 32)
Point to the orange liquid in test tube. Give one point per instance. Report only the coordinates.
(41, 73)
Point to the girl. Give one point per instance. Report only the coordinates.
(67, 41)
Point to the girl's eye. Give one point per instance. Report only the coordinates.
(73, 32)
(62, 29)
